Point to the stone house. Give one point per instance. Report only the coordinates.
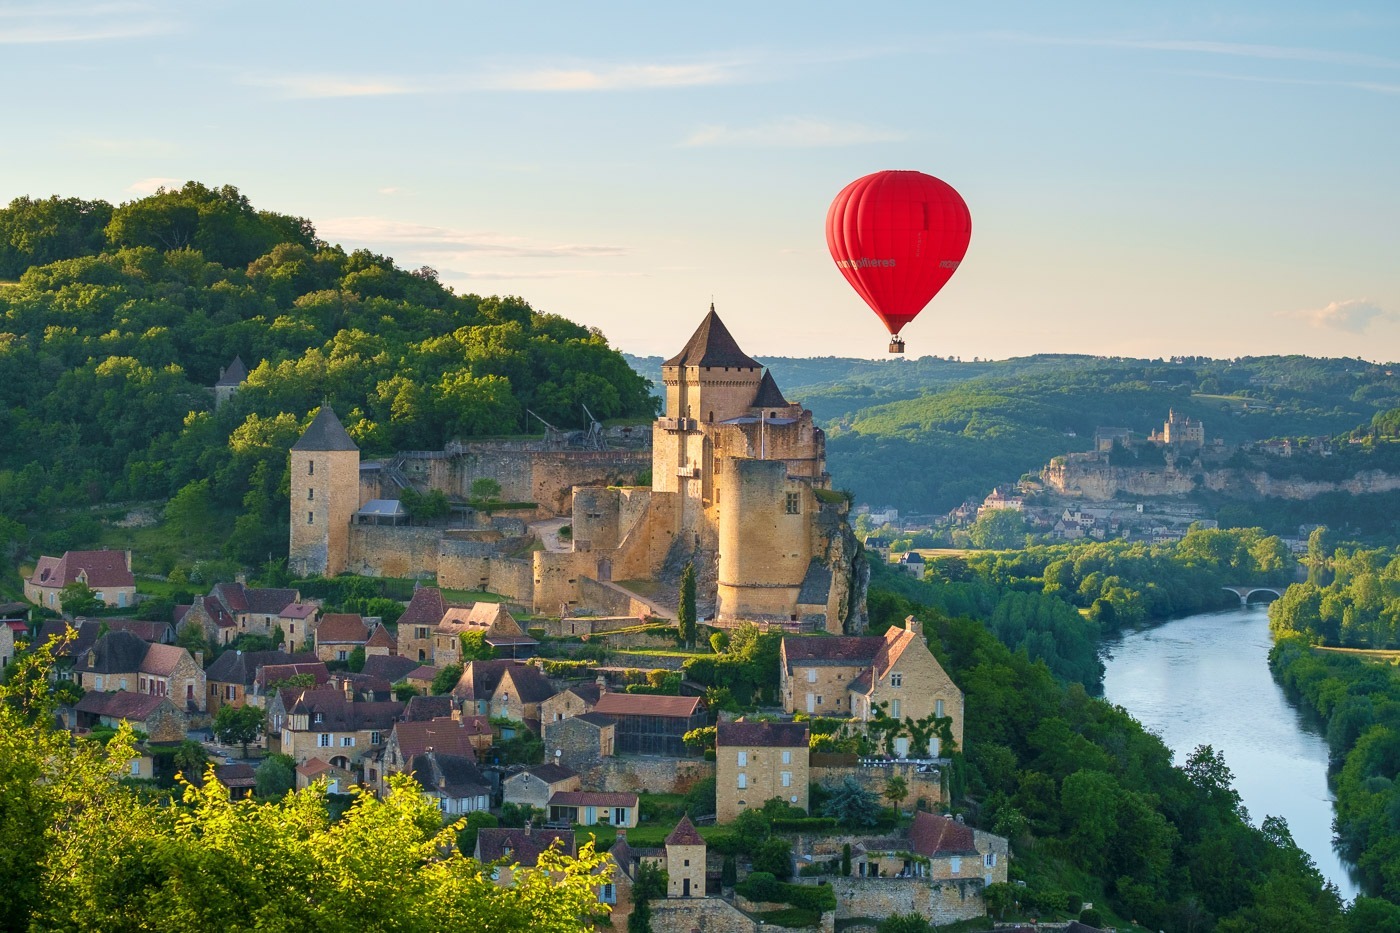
(210, 617)
(338, 780)
(571, 701)
(421, 678)
(410, 740)
(452, 782)
(648, 724)
(757, 761)
(107, 573)
(7, 645)
(534, 787)
(230, 679)
(685, 861)
(330, 723)
(852, 677)
(121, 661)
(79, 637)
(580, 742)
(519, 848)
(382, 643)
(419, 622)
(503, 688)
(339, 634)
(297, 622)
(157, 716)
(270, 678)
(498, 628)
(938, 848)
(590, 808)
(239, 778)
(912, 563)
(423, 708)
(255, 610)
(389, 667)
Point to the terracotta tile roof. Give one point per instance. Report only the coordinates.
(444, 736)
(712, 345)
(935, 835)
(235, 776)
(646, 704)
(276, 673)
(312, 767)
(121, 704)
(382, 638)
(839, 649)
(161, 660)
(521, 846)
(390, 667)
(425, 608)
(103, 569)
(342, 628)
(425, 708)
(764, 734)
(685, 834)
(591, 798)
(298, 611)
(325, 433)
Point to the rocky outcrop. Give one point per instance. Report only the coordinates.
(1094, 479)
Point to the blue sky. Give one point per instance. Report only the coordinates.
(1146, 180)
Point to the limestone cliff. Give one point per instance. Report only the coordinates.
(1093, 478)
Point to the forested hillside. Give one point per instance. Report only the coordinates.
(114, 322)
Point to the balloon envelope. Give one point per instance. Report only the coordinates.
(898, 237)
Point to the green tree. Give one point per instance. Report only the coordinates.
(356, 662)
(998, 529)
(474, 647)
(77, 598)
(852, 805)
(896, 789)
(238, 725)
(485, 489)
(446, 679)
(190, 513)
(685, 611)
(774, 855)
(846, 860)
(276, 776)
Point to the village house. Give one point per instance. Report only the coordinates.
(938, 848)
(233, 609)
(155, 633)
(573, 700)
(913, 564)
(421, 678)
(212, 619)
(339, 634)
(590, 808)
(651, 725)
(685, 861)
(240, 779)
(338, 780)
(534, 787)
(7, 645)
(419, 622)
(77, 638)
(506, 689)
(452, 782)
(121, 661)
(392, 668)
(854, 677)
(382, 643)
(423, 708)
(879, 546)
(519, 848)
(498, 628)
(107, 573)
(157, 716)
(580, 742)
(271, 678)
(229, 680)
(757, 761)
(330, 723)
(448, 736)
(297, 622)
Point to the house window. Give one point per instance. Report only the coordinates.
(743, 759)
(938, 708)
(342, 655)
(189, 691)
(310, 495)
(794, 504)
(955, 865)
(787, 778)
(347, 741)
(311, 468)
(787, 758)
(310, 518)
(743, 781)
(374, 738)
(229, 692)
(819, 701)
(319, 718)
(894, 709)
(811, 675)
(990, 860)
(607, 894)
(896, 680)
(324, 740)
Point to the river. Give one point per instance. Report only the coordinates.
(1204, 679)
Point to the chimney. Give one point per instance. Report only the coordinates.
(241, 578)
(349, 688)
(915, 626)
(128, 561)
(529, 825)
(198, 658)
(621, 835)
(602, 684)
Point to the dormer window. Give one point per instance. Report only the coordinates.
(319, 718)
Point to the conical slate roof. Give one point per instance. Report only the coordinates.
(325, 433)
(235, 374)
(769, 395)
(712, 345)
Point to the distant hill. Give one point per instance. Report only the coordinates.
(925, 434)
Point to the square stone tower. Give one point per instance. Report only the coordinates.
(325, 496)
(685, 861)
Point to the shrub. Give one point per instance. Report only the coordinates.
(760, 886)
(791, 917)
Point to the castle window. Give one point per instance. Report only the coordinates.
(794, 503)
(310, 495)
(311, 518)
(311, 468)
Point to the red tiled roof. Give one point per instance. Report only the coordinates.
(342, 627)
(425, 608)
(840, 649)
(276, 673)
(381, 638)
(591, 798)
(764, 734)
(521, 846)
(646, 704)
(443, 736)
(162, 660)
(103, 569)
(685, 834)
(121, 704)
(298, 611)
(312, 767)
(933, 835)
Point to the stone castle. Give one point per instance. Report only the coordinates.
(738, 486)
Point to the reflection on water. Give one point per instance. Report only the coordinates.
(1205, 679)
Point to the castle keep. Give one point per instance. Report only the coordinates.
(739, 486)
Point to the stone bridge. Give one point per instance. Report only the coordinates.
(1248, 592)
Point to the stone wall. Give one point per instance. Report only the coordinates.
(926, 786)
(939, 902)
(646, 774)
(711, 914)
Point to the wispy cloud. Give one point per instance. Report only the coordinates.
(1353, 315)
(146, 186)
(1375, 87)
(791, 133)
(70, 22)
(391, 190)
(445, 240)
(572, 77)
(1208, 47)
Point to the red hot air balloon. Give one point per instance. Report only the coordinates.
(898, 237)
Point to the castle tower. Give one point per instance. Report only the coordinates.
(685, 861)
(230, 380)
(325, 496)
(765, 544)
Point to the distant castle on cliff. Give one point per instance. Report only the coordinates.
(738, 485)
